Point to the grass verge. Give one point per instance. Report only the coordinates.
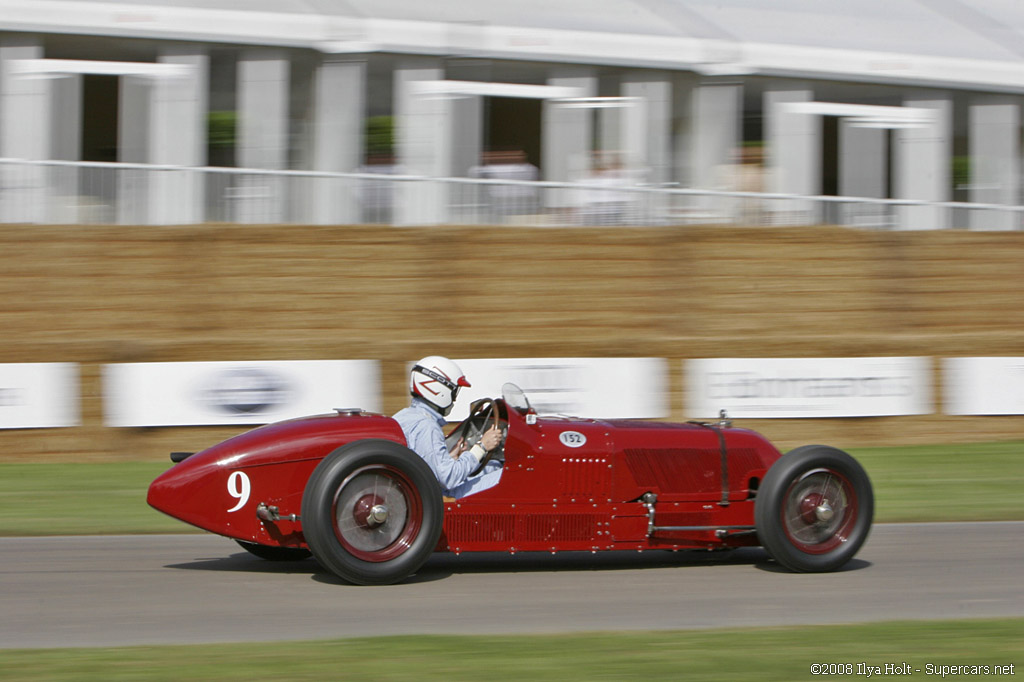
(979, 482)
(974, 482)
(734, 654)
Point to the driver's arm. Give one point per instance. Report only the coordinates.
(450, 471)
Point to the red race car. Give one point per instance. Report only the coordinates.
(345, 488)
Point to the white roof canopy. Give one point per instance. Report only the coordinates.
(942, 43)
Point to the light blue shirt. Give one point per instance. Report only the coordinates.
(422, 426)
(424, 434)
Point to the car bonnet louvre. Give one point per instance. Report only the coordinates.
(684, 469)
(520, 529)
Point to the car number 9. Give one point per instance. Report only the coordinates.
(239, 488)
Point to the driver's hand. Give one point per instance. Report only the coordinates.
(491, 438)
(458, 449)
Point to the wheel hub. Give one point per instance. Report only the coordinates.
(810, 507)
(378, 515)
(370, 511)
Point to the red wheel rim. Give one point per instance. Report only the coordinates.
(377, 513)
(819, 511)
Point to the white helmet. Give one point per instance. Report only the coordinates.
(437, 380)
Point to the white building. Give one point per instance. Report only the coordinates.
(885, 99)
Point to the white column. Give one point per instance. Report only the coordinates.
(994, 144)
(611, 129)
(717, 133)
(466, 203)
(566, 138)
(468, 137)
(567, 132)
(66, 136)
(794, 154)
(649, 140)
(133, 143)
(177, 131)
(24, 133)
(715, 141)
(862, 161)
(923, 158)
(863, 171)
(263, 94)
(66, 123)
(422, 143)
(133, 138)
(339, 107)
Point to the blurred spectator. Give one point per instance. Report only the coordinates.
(746, 173)
(604, 203)
(378, 195)
(504, 201)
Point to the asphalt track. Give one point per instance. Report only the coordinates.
(181, 589)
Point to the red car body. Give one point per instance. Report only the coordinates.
(568, 484)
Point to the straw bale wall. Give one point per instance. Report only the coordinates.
(108, 294)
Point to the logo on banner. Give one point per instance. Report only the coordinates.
(11, 397)
(245, 391)
(744, 385)
(552, 388)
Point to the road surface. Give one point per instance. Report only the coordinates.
(180, 589)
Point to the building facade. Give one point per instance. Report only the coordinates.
(164, 112)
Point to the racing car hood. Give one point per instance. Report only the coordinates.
(218, 489)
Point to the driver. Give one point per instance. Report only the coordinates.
(434, 384)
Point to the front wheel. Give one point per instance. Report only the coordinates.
(814, 509)
(372, 512)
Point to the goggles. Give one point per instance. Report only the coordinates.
(443, 380)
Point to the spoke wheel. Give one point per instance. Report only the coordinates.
(372, 512)
(377, 513)
(819, 511)
(814, 509)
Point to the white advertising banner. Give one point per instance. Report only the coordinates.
(984, 386)
(39, 395)
(211, 393)
(599, 388)
(767, 388)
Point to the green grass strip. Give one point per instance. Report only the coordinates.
(980, 482)
(973, 482)
(735, 654)
(89, 498)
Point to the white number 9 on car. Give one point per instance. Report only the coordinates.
(239, 488)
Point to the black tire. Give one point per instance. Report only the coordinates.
(372, 512)
(814, 509)
(274, 553)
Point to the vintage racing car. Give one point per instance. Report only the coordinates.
(345, 487)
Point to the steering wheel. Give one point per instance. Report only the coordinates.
(483, 416)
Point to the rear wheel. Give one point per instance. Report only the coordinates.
(814, 509)
(372, 512)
